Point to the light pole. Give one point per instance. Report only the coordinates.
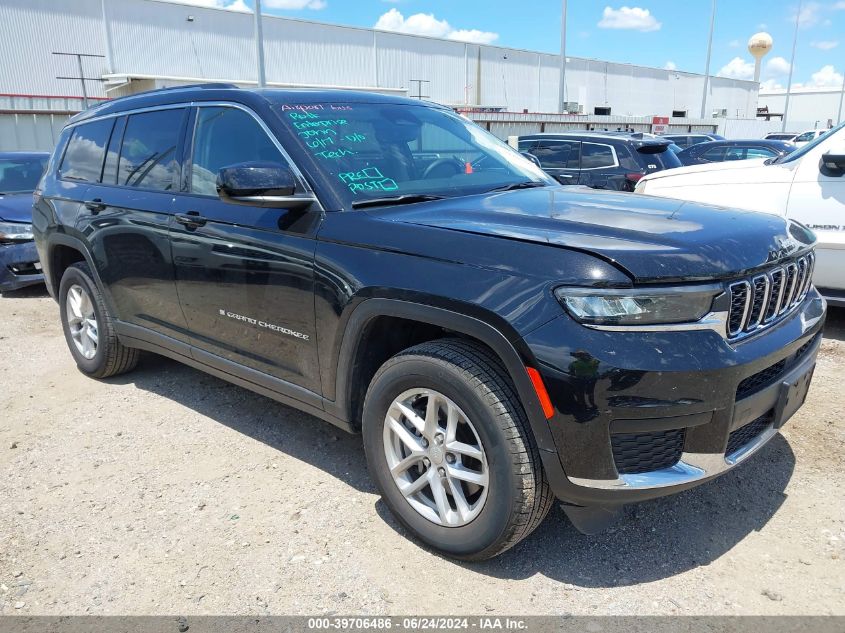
(707, 69)
(562, 88)
(791, 66)
(259, 46)
(841, 99)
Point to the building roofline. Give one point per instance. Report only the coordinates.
(443, 39)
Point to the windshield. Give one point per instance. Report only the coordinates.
(21, 175)
(802, 151)
(369, 151)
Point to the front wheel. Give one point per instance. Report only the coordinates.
(449, 446)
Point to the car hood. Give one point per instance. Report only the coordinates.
(653, 239)
(16, 207)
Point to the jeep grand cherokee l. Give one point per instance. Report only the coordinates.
(390, 267)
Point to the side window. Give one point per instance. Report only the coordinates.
(805, 137)
(148, 153)
(86, 149)
(627, 159)
(735, 153)
(594, 156)
(558, 154)
(223, 137)
(714, 154)
(526, 145)
(759, 152)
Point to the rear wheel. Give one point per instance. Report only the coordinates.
(449, 446)
(88, 327)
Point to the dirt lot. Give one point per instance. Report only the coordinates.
(169, 491)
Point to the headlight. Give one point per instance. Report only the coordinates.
(641, 185)
(637, 306)
(15, 231)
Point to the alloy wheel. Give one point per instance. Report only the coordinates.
(435, 457)
(82, 321)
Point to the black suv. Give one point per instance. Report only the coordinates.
(607, 160)
(390, 267)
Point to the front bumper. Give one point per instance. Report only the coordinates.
(19, 266)
(645, 414)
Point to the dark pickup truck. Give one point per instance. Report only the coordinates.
(388, 266)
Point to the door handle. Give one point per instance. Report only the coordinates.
(191, 219)
(95, 206)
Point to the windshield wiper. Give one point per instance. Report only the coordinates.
(410, 198)
(528, 184)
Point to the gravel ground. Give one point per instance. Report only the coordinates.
(169, 491)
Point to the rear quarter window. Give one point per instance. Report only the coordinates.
(83, 159)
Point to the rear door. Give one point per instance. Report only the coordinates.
(560, 158)
(126, 217)
(599, 166)
(245, 274)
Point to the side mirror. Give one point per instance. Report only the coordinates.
(532, 158)
(833, 164)
(262, 185)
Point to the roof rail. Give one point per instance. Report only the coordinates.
(92, 111)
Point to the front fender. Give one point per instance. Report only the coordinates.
(511, 352)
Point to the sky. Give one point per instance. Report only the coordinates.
(668, 34)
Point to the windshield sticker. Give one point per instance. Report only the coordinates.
(368, 179)
(326, 139)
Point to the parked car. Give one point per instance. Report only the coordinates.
(807, 185)
(392, 268)
(789, 137)
(808, 137)
(602, 160)
(19, 175)
(718, 151)
(688, 140)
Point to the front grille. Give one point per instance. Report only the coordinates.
(766, 377)
(760, 301)
(745, 434)
(805, 347)
(636, 453)
(761, 379)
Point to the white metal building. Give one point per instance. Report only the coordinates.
(154, 43)
(809, 108)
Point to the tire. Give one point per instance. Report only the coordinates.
(468, 381)
(108, 356)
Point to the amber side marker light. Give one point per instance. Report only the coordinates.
(540, 390)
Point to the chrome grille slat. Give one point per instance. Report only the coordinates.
(791, 279)
(802, 278)
(740, 303)
(761, 300)
(776, 278)
(758, 300)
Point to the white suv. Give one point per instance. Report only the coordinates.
(807, 185)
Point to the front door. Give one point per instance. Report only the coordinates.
(817, 199)
(244, 274)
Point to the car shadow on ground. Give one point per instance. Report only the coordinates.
(834, 327)
(280, 427)
(654, 540)
(38, 291)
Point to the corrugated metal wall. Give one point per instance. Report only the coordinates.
(151, 37)
(30, 132)
(31, 30)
